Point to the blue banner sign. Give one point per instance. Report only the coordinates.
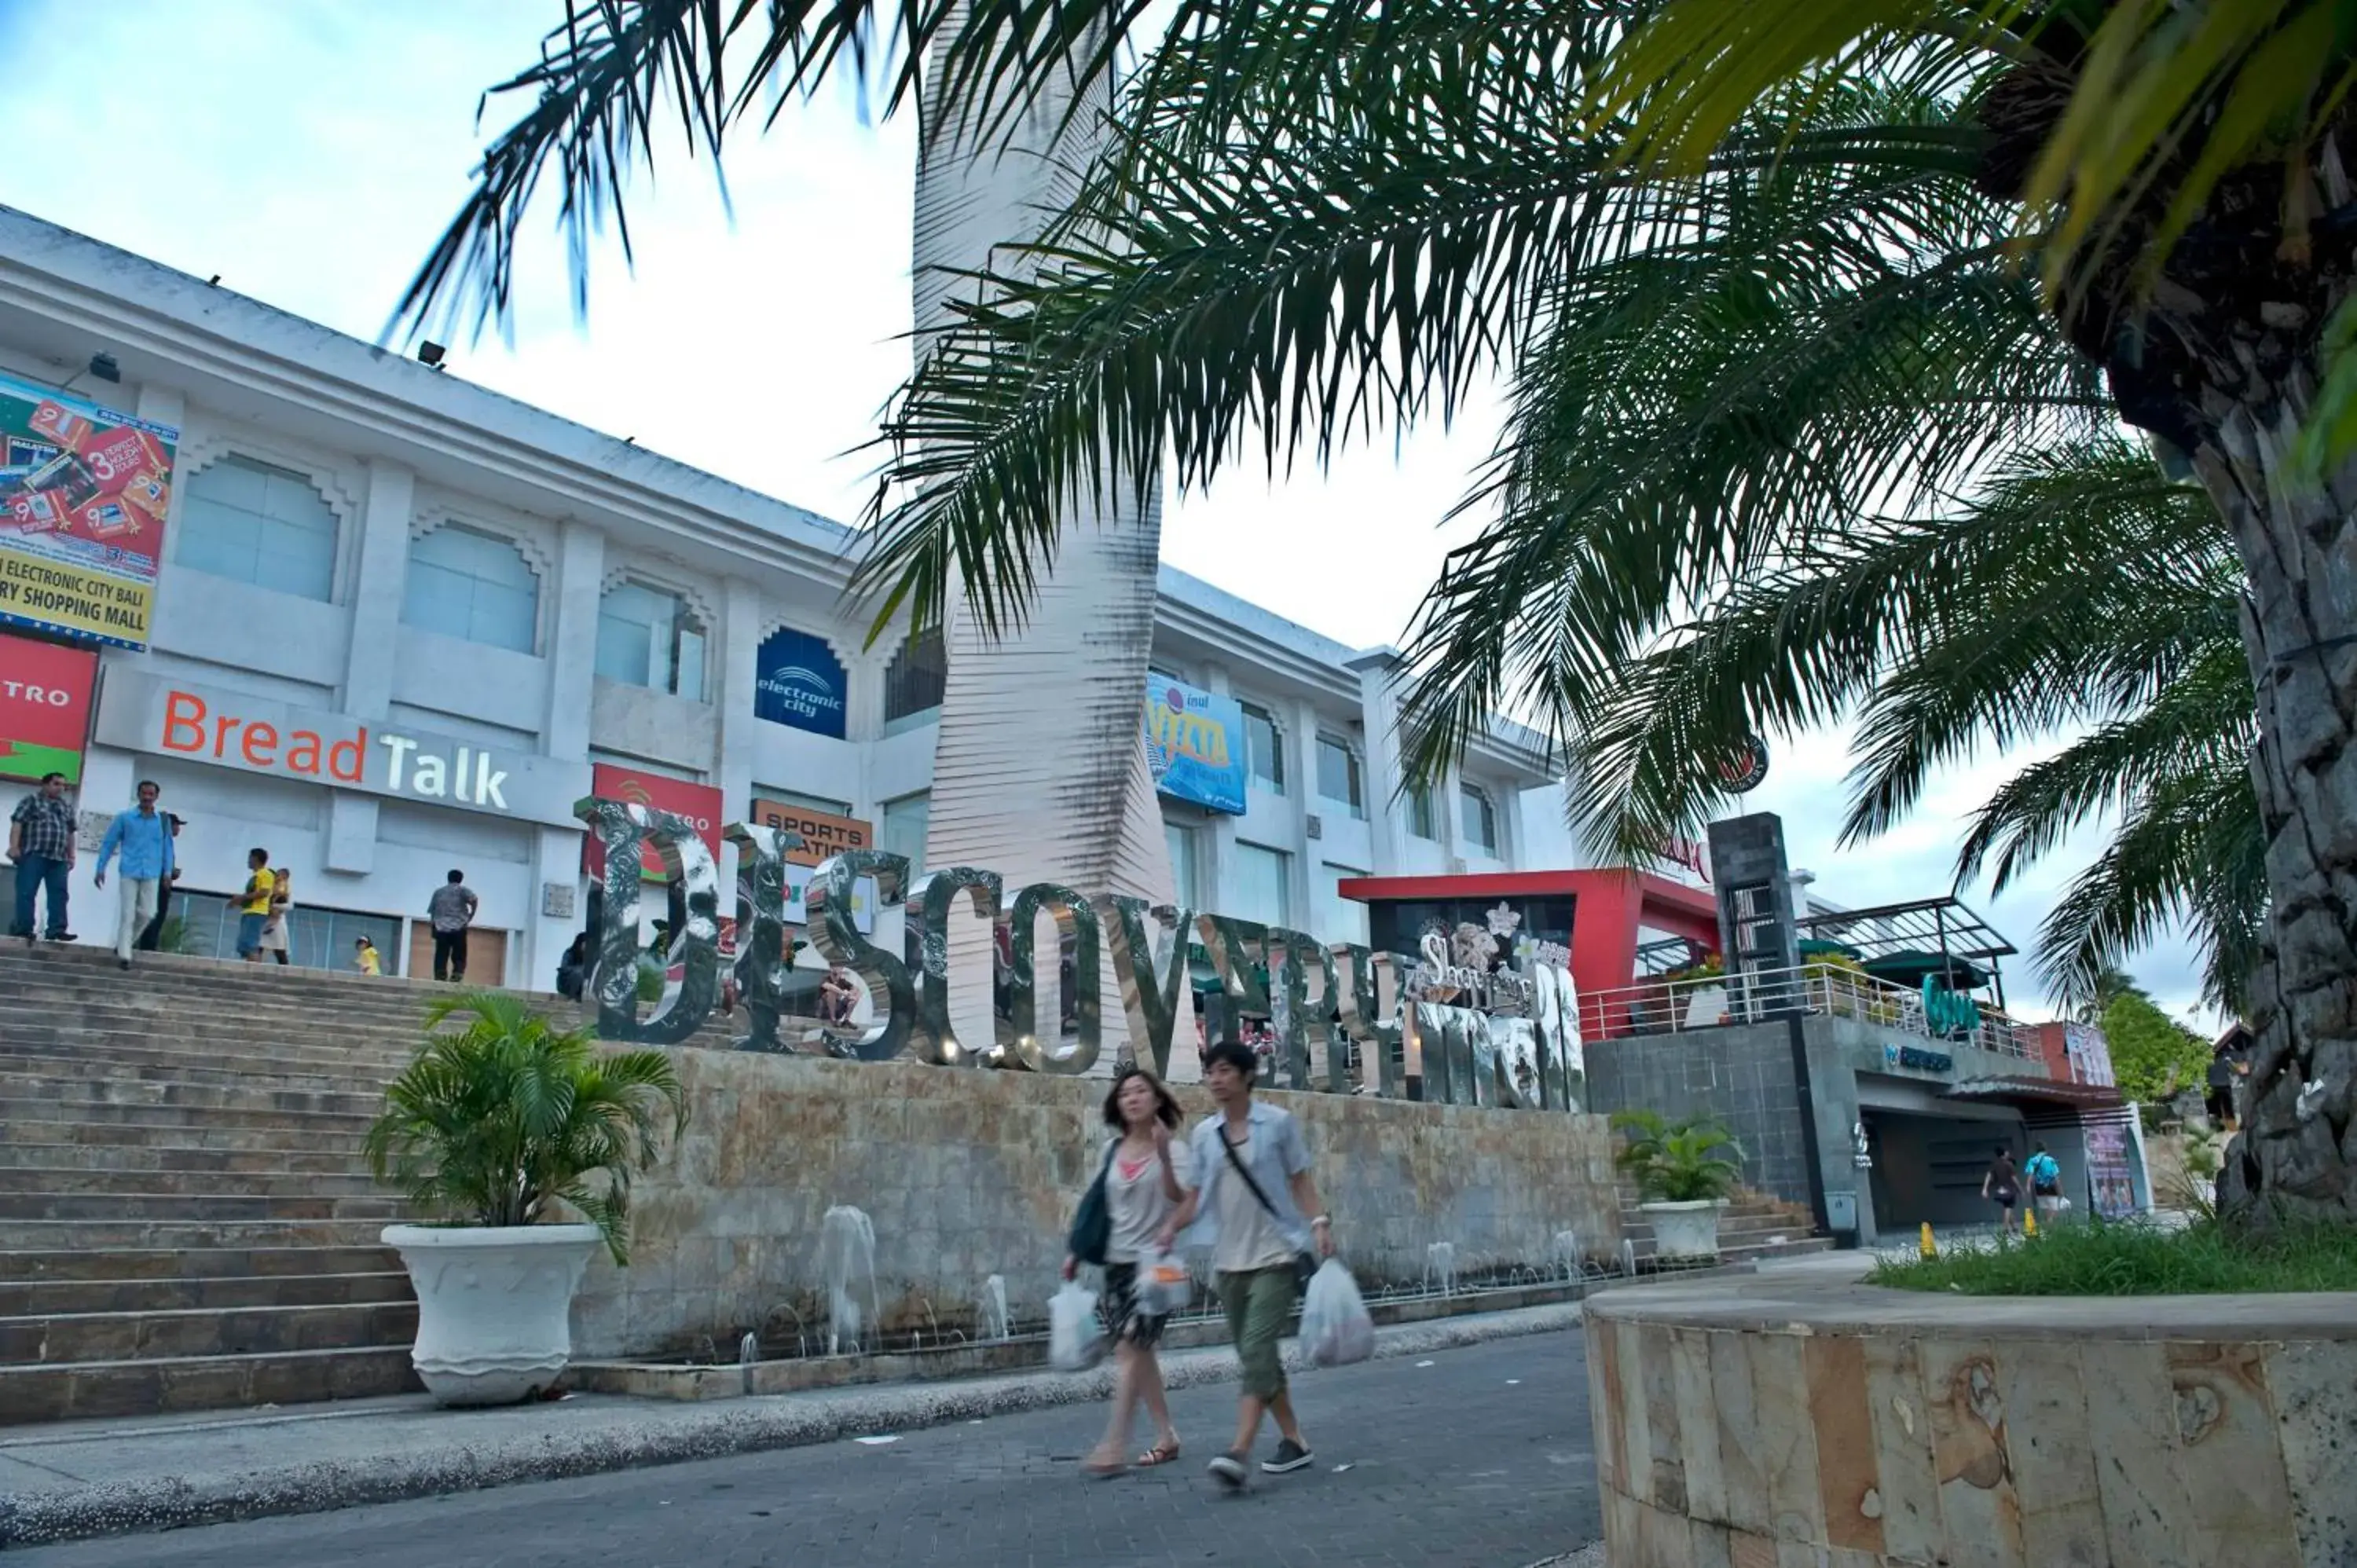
(798, 681)
(1194, 745)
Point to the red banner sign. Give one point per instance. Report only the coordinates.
(699, 803)
(45, 692)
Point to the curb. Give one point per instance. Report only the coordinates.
(637, 1434)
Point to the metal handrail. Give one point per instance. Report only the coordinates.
(1675, 1006)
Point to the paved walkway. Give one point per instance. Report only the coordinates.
(1476, 1457)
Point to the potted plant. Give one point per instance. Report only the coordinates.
(1682, 1180)
(490, 1129)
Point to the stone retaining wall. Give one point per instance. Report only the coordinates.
(968, 1174)
(1783, 1418)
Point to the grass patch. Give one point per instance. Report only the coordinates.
(2095, 1259)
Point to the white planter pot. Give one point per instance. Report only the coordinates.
(494, 1306)
(1685, 1229)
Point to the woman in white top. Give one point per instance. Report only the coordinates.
(1145, 1178)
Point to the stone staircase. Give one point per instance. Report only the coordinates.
(186, 1221)
(1751, 1227)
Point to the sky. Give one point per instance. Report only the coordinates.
(310, 151)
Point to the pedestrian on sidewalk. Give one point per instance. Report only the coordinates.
(2045, 1173)
(1146, 1179)
(253, 905)
(451, 910)
(1252, 1166)
(41, 843)
(365, 957)
(2002, 1185)
(282, 900)
(153, 937)
(144, 836)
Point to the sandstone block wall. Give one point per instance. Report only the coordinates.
(967, 1173)
(1754, 1430)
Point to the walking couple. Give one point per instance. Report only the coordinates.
(1239, 1186)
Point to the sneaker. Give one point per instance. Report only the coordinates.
(1228, 1469)
(63, 937)
(123, 961)
(1289, 1457)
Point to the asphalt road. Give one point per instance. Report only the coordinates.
(1472, 1458)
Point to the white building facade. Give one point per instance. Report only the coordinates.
(483, 604)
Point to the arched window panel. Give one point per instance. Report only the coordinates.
(473, 586)
(252, 523)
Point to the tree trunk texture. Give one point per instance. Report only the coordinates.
(1039, 771)
(2297, 1152)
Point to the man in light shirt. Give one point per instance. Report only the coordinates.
(1252, 1168)
(144, 836)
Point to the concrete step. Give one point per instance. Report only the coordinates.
(35, 1266)
(204, 1331)
(141, 1065)
(339, 1142)
(21, 1088)
(327, 1124)
(45, 1298)
(111, 1206)
(121, 1235)
(151, 1182)
(80, 1028)
(93, 1388)
(130, 1161)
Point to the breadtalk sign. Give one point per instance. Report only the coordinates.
(175, 719)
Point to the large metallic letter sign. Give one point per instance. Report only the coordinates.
(762, 965)
(1555, 1010)
(1301, 1017)
(1151, 984)
(1075, 923)
(838, 940)
(628, 830)
(1239, 950)
(1373, 1027)
(925, 939)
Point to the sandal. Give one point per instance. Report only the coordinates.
(1103, 1469)
(1162, 1452)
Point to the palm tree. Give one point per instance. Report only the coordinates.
(1316, 220)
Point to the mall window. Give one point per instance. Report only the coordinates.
(202, 925)
(915, 680)
(1262, 885)
(252, 524)
(1338, 774)
(1478, 823)
(474, 587)
(1181, 841)
(906, 822)
(1420, 822)
(1339, 919)
(648, 637)
(1264, 749)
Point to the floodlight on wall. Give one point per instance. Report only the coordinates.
(429, 354)
(103, 367)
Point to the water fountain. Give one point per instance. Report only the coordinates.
(1440, 1262)
(1628, 1257)
(846, 1245)
(993, 1308)
(1567, 1254)
(749, 1350)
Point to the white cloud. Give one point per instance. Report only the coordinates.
(309, 151)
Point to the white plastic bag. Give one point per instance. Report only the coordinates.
(1335, 1327)
(1075, 1340)
(1163, 1285)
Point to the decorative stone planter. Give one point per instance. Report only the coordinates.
(494, 1306)
(1792, 1417)
(1685, 1230)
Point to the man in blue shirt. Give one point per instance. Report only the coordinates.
(144, 834)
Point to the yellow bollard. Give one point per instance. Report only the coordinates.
(2029, 1221)
(1929, 1250)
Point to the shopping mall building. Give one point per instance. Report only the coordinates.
(398, 624)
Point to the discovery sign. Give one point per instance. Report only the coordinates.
(166, 717)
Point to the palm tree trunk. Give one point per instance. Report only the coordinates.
(1039, 771)
(2296, 1154)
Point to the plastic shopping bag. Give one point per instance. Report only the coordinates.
(1163, 1285)
(1075, 1342)
(1335, 1327)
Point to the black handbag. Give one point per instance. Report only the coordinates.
(1092, 1233)
(1304, 1263)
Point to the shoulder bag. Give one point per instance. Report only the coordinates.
(1304, 1263)
(1092, 1233)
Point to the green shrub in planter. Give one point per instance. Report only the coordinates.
(1677, 1163)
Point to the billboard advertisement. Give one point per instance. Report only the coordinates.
(699, 803)
(1195, 746)
(798, 681)
(45, 692)
(84, 494)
